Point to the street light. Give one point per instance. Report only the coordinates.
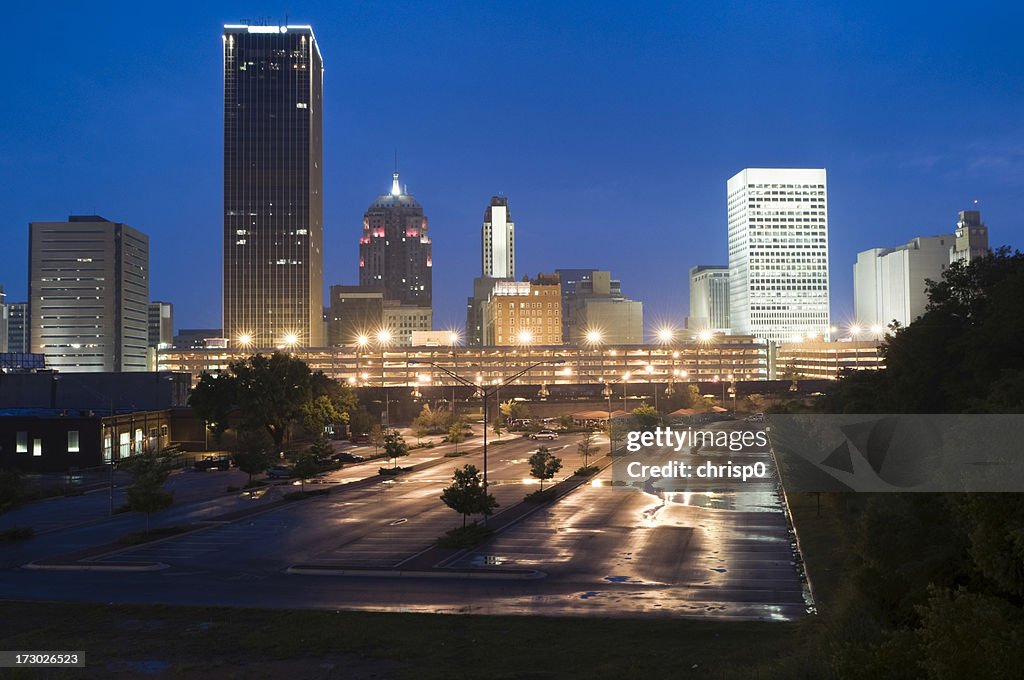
(702, 339)
(383, 338)
(245, 340)
(453, 342)
(362, 340)
(593, 338)
(484, 392)
(666, 336)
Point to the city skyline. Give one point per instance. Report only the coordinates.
(597, 178)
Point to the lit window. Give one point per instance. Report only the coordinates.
(37, 447)
(73, 441)
(22, 443)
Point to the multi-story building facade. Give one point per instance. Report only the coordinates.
(17, 328)
(161, 325)
(273, 186)
(498, 240)
(395, 252)
(401, 321)
(709, 298)
(89, 294)
(354, 311)
(778, 253)
(722, 358)
(3, 321)
(596, 303)
(889, 284)
(483, 286)
(521, 313)
(971, 237)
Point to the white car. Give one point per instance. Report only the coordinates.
(545, 434)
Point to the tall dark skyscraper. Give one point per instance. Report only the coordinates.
(395, 250)
(273, 186)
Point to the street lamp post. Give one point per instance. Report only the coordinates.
(594, 338)
(383, 339)
(607, 392)
(484, 392)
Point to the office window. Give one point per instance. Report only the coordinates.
(73, 441)
(37, 447)
(22, 442)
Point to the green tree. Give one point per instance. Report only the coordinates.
(544, 465)
(318, 413)
(427, 422)
(376, 438)
(149, 471)
(306, 466)
(585, 447)
(212, 399)
(455, 435)
(395, 446)
(514, 410)
(252, 461)
(273, 392)
(646, 418)
(467, 495)
(321, 450)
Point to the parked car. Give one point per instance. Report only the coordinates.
(215, 462)
(345, 457)
(360, 439)
(279, 472)
(544, 434)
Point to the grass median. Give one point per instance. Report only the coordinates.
(220, 642)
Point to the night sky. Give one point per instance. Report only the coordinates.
(612, 129)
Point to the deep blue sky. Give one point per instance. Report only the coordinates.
(612, 128)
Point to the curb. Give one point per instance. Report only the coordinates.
(323, 570)
(97, 566)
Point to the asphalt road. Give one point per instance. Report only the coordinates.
(606, 550)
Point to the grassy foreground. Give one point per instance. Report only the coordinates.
(128, 641)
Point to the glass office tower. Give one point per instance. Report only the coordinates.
(273, 187)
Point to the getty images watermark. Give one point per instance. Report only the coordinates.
(667, 439)
(812, 452)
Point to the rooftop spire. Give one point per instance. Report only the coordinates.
(396, 190)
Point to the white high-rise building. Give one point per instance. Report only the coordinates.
(709, 299)
(889, 284)
(498, 252)
(778, 253)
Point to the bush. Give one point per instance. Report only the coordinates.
(16, 534)
(587, 471)
(465, 537)
(391, 472)
(455, 454)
